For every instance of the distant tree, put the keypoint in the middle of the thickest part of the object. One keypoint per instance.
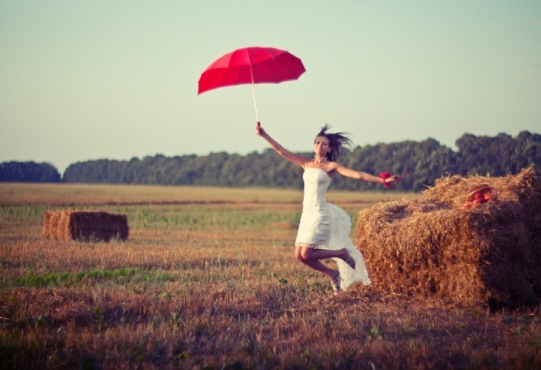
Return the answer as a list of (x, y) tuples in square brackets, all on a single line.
[(527, 150), (28, 172), (499, 155), (420, 163)]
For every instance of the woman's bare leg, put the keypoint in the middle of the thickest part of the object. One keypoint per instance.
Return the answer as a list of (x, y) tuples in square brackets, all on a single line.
[(309, 257), (301, 255), (312, 254)]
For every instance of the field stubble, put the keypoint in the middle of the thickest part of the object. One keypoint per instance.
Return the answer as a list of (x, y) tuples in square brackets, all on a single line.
[(208, 280)]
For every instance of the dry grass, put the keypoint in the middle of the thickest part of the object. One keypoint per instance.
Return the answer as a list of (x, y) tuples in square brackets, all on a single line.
[(85, 194), (215, 285)]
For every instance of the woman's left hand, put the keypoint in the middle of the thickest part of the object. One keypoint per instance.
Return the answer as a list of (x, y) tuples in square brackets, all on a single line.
[(388, 178)]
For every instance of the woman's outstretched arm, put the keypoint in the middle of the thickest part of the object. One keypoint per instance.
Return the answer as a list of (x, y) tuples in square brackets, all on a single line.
[(348, 172), (292, 157)]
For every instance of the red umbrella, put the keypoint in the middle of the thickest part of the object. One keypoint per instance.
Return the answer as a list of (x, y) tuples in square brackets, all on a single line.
[(250, 66)]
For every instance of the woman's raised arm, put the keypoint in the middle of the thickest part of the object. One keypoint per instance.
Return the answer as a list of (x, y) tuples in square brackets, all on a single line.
[(292, 157)]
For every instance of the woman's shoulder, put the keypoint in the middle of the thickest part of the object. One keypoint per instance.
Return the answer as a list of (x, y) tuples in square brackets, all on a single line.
[(334, 165)]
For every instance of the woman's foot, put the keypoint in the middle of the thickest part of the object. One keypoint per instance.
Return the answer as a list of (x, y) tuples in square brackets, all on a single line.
[(348, 259)]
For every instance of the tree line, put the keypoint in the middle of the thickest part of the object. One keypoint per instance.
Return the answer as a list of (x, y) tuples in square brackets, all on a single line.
[(28, 172), (420, 163)]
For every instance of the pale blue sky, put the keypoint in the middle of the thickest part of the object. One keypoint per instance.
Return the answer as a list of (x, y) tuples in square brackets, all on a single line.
[(82, 80)]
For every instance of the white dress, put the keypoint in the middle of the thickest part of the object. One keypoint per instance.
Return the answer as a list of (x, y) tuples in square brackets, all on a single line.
[(326, 226)]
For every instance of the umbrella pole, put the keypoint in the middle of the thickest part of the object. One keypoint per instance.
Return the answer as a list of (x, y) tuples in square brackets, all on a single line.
[(253, 94), (255, 103)]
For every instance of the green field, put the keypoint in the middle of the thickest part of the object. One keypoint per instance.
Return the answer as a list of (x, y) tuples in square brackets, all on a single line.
[(208, 279)]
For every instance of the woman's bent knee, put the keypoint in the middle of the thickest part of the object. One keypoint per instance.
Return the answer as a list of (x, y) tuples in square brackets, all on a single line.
[(305, 253), (300, 254)]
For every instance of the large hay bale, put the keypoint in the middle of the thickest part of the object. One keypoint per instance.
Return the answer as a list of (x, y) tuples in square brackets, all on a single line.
[(433, 247), (84, 226)]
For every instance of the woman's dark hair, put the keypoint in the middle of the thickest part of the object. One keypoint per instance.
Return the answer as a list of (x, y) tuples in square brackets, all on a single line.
[(337, 141)]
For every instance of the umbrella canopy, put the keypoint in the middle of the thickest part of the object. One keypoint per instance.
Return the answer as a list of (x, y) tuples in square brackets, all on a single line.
[(251, 65)]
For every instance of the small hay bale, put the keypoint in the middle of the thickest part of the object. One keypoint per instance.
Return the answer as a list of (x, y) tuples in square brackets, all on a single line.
[(433, 247), (84, 226)]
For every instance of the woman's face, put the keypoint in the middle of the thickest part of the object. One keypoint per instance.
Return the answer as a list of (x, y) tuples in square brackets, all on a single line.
[(321, 146)]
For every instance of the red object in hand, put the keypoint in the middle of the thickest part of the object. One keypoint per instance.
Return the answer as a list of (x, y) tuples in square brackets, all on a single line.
[(385, 175)]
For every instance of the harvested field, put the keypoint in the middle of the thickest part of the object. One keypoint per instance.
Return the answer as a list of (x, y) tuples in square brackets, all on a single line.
[(211, 282), (434, 246)]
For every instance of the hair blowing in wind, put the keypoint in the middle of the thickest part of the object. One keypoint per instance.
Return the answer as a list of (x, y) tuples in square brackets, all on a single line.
[(337, 141)]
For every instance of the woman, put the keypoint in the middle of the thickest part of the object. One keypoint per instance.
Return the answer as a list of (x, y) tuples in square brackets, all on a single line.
[(324, 228)]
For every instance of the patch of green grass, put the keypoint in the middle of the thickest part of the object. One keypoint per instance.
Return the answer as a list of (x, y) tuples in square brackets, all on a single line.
[(33, 280), (13, 217), (100, 274), (121, 276), (209, 218)]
